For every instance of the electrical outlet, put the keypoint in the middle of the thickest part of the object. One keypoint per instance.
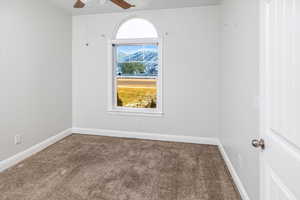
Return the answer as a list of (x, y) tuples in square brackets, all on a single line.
[(18, 139)]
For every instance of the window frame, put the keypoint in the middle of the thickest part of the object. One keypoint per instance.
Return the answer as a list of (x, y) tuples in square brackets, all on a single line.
[(112, 89)]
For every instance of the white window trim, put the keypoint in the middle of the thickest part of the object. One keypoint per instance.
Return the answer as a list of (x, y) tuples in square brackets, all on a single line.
[(111, 62)]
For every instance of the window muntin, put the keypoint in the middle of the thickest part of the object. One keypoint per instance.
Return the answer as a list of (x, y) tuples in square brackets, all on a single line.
[(136, 75)]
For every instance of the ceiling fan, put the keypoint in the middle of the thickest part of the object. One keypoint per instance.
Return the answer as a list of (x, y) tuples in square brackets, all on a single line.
[(122, 3)]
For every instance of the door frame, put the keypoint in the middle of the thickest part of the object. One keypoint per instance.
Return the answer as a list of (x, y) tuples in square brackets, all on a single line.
[(262, 89)]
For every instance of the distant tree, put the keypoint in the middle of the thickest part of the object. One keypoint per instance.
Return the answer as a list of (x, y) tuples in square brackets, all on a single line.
[(153, 103), (119, 101), (132, 68)]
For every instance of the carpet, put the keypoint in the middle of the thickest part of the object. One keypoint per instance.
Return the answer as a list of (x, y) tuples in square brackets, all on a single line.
[(84, 167)]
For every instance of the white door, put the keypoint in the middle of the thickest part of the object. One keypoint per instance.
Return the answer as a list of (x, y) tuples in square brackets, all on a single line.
[(280, 161)]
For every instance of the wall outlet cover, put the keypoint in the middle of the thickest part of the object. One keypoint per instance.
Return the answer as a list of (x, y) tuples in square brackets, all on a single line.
[(18, 139)]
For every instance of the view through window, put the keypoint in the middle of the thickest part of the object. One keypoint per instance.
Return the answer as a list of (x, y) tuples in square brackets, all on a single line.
[(136, 75)]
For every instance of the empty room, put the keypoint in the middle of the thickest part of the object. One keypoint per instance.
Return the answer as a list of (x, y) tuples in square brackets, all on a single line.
[(149, 100)]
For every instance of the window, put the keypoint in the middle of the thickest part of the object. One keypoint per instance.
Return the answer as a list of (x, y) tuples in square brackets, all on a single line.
[(136, 68), (136, 28)]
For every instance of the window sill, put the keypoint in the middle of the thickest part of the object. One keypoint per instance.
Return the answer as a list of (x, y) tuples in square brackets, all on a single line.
[(136, 113)]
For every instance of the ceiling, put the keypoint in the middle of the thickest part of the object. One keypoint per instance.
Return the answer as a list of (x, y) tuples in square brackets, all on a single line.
[(94, 6)]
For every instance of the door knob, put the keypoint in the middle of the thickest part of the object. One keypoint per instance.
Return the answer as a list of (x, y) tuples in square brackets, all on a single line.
[(258, 143)]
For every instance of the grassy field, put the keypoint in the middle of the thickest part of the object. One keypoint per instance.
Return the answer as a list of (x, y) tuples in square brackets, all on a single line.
[(137, 93)]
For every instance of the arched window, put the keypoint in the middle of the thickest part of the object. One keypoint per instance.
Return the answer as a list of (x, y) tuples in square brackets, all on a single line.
[(136, 28), (136, 68)]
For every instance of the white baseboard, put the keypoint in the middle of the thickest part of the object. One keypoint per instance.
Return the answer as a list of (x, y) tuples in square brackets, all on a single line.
[(148, 136), (234, 174), (170, 138), (5, 164)]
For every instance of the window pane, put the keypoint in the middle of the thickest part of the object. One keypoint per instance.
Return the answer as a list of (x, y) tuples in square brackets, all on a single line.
[(130, 53), (137, 60), (137, 28), (136, 92)]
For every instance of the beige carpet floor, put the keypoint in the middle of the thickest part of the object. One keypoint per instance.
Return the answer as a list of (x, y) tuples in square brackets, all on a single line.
[(82, 167)]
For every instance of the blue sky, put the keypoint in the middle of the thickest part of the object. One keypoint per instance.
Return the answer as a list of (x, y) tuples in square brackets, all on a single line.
[(134, 48)]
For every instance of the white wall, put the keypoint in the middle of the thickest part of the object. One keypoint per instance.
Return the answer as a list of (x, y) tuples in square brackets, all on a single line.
[(239, 114), (35, 76), (190, 65), (35, 73)]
